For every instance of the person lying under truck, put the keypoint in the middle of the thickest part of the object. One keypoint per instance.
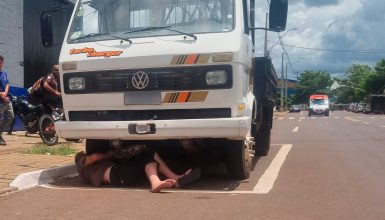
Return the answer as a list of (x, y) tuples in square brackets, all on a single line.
[(128, 166)]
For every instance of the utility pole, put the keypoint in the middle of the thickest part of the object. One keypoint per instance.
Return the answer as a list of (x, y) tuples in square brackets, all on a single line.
[(266, 52), (286, 86), (282, 85)]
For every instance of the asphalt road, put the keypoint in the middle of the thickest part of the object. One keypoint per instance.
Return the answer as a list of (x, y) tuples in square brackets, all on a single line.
[(318, 168)]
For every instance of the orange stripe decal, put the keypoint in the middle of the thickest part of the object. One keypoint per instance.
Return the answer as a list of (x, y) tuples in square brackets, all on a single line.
[(182, 97), (191, 59)]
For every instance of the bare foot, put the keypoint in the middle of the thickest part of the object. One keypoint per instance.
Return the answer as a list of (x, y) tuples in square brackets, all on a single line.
[(165, 184)]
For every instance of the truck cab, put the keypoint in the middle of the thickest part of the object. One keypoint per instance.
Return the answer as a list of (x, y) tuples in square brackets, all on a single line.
[(319, 105), (153, 70)]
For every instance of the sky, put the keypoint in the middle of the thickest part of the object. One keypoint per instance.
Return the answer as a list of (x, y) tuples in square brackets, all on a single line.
[(327, 35)]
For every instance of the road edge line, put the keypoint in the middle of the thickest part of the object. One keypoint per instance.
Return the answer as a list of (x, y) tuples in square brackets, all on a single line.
[(267, 180)]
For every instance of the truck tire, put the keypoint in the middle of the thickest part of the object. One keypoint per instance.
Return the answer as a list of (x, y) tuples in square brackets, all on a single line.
[(97, 146), (262, 141), (238, 160)]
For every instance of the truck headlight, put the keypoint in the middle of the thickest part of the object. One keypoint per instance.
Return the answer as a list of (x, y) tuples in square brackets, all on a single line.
[(77, 83), (216, 77)]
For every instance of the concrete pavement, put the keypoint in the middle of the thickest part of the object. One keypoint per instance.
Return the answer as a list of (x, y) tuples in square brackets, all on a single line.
[(13, 162)]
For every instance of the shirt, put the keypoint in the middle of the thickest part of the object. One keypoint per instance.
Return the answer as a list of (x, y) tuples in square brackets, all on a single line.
[(3, 80), (52, 81), (93, 173)]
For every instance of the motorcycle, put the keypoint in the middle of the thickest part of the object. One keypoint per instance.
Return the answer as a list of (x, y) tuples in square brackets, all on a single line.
[(37, 118), (47, 130), (46, 127), (27, 112)]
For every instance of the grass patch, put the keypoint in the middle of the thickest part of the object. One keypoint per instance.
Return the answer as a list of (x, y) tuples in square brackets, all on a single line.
[(59, 149)]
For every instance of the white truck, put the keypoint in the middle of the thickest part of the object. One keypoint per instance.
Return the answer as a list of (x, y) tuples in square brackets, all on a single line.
[(155, 70)]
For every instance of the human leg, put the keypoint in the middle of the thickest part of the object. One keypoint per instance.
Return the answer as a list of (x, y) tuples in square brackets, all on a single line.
[(188, 177), (164, 169), (2, 124), (156, 184), (8, 115)]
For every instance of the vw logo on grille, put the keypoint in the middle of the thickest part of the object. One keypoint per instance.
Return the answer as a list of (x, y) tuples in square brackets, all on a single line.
[(140, 80)]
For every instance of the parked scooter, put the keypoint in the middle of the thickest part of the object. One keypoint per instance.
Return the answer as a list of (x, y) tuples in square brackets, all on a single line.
[(28, 113)]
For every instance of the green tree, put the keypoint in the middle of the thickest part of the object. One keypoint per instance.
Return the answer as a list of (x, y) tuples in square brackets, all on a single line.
[(375, 81), (311, 82)]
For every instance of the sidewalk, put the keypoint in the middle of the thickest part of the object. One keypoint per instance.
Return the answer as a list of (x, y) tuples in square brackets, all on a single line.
[(13, 162)]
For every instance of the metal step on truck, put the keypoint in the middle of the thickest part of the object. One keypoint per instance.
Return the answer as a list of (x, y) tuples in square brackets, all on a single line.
[(158, 70)]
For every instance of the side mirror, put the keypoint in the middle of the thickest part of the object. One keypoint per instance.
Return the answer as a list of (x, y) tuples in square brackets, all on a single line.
[(46, 29), (278, 15)]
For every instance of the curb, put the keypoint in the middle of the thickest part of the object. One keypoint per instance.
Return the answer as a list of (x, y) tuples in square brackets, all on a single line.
[(31, 179), (6, 190)]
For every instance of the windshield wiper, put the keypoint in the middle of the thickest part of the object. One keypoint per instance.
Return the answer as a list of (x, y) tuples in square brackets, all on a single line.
[(161, 28), (103, 34)]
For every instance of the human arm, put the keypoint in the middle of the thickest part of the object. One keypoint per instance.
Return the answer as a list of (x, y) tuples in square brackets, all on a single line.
[(93, 158), (5, 93), (49, 89), (85, 160)]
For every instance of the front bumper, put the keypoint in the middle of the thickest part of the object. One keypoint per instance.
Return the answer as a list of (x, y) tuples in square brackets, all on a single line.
[(230, 128), (319, 111)]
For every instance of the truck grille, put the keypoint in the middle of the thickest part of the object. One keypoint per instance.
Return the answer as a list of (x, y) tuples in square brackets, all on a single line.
[(141, 115), (175, 78)]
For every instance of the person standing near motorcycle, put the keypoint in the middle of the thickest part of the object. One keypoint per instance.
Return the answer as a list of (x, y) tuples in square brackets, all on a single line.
[(46, 89), (51, 87), (6, 110)]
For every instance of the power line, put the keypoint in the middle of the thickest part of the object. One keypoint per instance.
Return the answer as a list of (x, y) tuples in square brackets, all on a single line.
[(336, 51)]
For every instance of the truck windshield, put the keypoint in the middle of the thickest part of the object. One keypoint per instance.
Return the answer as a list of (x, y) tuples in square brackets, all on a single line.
[(319, 102), (140, 18)]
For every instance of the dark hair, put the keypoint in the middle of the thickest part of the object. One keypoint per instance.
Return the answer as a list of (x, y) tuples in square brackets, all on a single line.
[(1, 58)]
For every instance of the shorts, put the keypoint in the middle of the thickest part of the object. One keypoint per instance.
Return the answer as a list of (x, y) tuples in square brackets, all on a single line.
[(131, 172)]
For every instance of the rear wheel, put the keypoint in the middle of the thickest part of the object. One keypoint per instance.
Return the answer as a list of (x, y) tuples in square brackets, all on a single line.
[(47, 130), (238, 159)]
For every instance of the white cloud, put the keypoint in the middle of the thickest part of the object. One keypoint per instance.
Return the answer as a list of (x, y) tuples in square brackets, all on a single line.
[(333, 25)]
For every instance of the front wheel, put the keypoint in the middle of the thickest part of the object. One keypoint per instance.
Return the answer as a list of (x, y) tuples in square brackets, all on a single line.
[(239, 159), (262, 141), (47, 130)]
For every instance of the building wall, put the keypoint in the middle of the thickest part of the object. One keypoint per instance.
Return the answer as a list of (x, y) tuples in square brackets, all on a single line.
[(11, 40)]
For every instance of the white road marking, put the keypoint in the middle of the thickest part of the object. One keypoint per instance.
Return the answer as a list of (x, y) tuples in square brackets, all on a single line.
[(313, 117), (372, 117), (336, 117), (300, 119), (267, 180), (301, 113), (264, 185), (295, 129), (280, 118), (382, 126), (351, 119), (291, 118), (367, 123)]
